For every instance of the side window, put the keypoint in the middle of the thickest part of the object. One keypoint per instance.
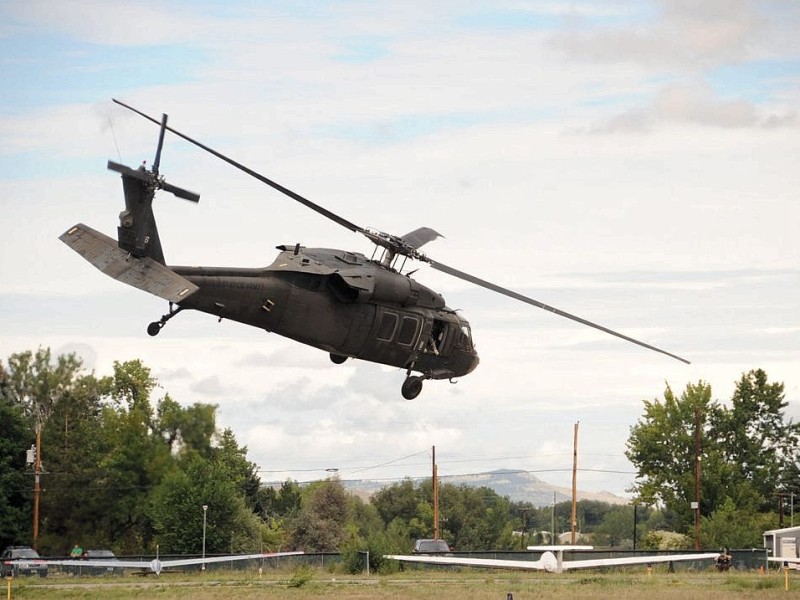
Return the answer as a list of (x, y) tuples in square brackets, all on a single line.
[(408, 331), (388, 325)]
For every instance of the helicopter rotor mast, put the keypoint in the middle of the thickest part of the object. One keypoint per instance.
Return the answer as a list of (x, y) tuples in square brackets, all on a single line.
[(407, 245)]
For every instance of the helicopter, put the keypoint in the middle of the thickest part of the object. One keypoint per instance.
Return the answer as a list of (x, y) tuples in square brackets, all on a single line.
[(339, 301)]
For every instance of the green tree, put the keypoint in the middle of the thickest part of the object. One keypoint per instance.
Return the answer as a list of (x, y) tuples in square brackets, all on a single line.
[(730, 526), (662, 448), (16, 435), (241, 471), (177, 510), (749, 451), (320, 524), (35, 381), (755, 436), (399, 500), (616, 530), (187, 429), (72, 508)]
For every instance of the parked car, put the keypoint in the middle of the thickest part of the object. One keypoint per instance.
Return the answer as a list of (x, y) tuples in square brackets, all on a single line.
[(22, 560), (103, 555), (431, 547), (78, 567)]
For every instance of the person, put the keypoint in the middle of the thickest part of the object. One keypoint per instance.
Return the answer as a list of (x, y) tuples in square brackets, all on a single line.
[(76, 552)]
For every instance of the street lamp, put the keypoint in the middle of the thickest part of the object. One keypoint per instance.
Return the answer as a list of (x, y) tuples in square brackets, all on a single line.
[(205, 512)]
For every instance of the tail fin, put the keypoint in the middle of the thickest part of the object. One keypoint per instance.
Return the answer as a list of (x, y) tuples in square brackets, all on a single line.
[(137, 232)]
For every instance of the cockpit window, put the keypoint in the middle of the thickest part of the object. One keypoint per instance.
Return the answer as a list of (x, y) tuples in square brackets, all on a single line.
[(465, 340)]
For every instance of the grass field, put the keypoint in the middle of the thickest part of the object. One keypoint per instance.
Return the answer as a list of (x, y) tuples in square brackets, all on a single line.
[(427, 584)]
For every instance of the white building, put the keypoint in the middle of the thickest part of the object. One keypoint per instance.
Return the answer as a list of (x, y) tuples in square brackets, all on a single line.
[(783, 543)]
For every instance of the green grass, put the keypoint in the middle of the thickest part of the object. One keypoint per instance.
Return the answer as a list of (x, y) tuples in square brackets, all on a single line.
[(421, 584)]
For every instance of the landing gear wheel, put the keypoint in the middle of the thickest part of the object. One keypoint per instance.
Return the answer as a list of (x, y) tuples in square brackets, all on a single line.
[(154, 328), (412, 386), (337, 359)]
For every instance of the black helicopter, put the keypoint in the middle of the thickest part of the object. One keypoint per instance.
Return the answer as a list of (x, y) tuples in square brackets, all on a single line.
[(338, 301)]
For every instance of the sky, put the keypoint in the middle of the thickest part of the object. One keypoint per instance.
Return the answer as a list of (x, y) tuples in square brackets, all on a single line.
[(631, 162)]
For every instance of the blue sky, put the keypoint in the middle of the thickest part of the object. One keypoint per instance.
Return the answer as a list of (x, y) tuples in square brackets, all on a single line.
[(630, 162)]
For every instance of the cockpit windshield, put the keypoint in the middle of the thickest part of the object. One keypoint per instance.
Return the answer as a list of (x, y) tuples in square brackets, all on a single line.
[(465, 339)]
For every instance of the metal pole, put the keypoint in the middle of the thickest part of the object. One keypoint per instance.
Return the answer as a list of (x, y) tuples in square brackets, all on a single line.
[(634, 526), (205, 511)]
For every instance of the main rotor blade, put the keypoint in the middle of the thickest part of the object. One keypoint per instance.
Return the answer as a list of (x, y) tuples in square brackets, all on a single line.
[(304, 201), (501, 290)]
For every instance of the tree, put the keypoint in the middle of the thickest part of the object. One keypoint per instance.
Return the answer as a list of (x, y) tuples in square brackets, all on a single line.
[(755, 435), (750, 450), (730, 526), (662, 448), (242, 472), (177, 510), (73, 508), (320, 524), (616, 530), (36, 381), (15, 485)]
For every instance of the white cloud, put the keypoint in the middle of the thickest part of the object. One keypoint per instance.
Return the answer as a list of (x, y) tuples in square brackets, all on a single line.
[(685, 237)]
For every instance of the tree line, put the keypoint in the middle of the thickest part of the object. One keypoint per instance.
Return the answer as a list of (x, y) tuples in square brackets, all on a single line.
[(129, 468)]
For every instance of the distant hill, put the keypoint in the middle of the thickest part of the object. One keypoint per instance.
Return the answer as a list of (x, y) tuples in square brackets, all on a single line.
[(519, 486)]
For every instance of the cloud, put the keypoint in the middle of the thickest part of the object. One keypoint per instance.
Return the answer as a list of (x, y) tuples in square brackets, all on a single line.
[(212, 387), (689, 34), (693, 105)]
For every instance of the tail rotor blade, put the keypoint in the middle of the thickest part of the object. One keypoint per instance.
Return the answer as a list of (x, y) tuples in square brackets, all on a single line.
[(180, 192)]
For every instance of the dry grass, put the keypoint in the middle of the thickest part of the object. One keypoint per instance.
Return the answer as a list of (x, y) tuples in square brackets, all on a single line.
[(441, 585)]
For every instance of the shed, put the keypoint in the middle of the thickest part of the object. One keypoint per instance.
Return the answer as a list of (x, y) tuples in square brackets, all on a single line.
[(782, 543)]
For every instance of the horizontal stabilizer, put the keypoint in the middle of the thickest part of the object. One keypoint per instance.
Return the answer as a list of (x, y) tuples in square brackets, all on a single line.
[(143, 273)]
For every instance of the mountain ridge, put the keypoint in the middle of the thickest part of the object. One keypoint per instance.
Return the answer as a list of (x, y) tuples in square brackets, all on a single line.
[(517, 484)]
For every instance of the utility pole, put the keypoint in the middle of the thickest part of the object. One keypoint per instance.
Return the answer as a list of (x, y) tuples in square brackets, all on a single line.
[(524, 512), (435, 486), (574, 481), (697, 450), (37, 471)]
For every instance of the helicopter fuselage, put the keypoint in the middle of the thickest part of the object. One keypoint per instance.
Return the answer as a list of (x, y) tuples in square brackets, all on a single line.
[(342, 303)]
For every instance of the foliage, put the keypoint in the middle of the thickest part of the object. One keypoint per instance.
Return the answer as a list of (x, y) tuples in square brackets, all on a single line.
[(15, 482), (664, 540), (732, 527), (320, 524), (128, 469), (749, 451), (301, 576)]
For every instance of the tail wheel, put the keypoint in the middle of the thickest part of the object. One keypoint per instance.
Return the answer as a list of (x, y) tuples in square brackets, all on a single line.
[(337, 359), (412, 386)]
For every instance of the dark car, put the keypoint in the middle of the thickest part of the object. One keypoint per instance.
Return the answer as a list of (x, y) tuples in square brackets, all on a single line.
[(79, 567), (431, 547), (22, 560)]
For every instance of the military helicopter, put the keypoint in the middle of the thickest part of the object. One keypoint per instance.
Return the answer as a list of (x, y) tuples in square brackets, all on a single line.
[(338, 301)]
